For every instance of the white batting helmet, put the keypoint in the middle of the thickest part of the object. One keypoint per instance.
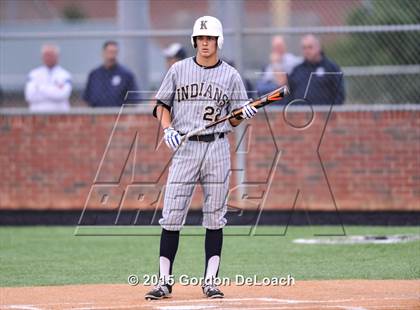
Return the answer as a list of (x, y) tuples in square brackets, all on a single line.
[(208, 26)]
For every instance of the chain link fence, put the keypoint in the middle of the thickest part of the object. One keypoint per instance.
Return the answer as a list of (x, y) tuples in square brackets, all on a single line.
[(375, 43)]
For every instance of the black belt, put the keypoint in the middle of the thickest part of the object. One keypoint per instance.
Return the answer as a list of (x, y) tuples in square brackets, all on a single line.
[(207, 138)]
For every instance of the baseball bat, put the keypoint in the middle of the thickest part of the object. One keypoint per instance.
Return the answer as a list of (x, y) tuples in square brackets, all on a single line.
[(260, 102)]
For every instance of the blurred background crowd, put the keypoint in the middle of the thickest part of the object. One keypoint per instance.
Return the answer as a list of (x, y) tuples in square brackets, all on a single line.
[(58, 54)]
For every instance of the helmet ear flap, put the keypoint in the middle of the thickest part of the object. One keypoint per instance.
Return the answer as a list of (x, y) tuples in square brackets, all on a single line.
[(220, 42), (193, 42)]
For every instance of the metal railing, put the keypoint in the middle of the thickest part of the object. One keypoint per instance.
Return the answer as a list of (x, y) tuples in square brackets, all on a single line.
[(365, 83)]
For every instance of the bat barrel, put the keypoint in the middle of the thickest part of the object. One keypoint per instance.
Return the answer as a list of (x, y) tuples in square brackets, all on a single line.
[(275, 95)]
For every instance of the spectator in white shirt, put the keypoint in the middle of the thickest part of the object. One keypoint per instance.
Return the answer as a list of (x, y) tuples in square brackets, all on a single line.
[(49, 86), (281, 64)]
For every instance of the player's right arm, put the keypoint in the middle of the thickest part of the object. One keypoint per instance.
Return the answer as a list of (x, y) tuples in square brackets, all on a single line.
[(164, 116), (164, 98), (162, 111), (171, 136)]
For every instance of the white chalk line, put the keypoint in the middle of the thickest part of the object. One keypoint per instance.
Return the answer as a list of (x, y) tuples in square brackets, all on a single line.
[(198, 307), (286, 301), (289, 307), (50, 304), (277, 307), (163, 305), (22, 307), (41, 306), (296, 303), (103, 307), (266, 299), (370, 307), (254, 307)]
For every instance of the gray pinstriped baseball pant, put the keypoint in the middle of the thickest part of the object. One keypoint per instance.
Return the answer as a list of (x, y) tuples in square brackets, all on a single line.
[(205, 163)]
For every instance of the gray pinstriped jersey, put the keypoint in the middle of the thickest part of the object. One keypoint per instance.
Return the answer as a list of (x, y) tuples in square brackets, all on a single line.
[(198, 95)]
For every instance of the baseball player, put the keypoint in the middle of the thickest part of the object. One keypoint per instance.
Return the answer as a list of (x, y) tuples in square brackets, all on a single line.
[(196, 91)]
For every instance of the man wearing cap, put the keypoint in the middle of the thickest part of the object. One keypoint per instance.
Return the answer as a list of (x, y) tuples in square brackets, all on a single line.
[(173, 53)]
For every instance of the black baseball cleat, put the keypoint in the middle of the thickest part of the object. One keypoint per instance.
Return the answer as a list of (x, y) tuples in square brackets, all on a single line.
[(212, 291), (159, 292)]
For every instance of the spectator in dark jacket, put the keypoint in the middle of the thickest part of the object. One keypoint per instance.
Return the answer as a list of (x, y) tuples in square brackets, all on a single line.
[(1, 96), (107, 85), (326, 86)]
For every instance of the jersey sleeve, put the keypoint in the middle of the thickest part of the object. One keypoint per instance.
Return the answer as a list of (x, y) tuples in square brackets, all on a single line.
[(166, 91), (239, 96)]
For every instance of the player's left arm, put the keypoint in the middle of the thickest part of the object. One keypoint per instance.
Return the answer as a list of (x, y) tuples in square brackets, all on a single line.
[(248, 111), (240, 101)]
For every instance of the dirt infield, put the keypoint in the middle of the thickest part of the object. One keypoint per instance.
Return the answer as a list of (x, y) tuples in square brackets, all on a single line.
[(334, 294)]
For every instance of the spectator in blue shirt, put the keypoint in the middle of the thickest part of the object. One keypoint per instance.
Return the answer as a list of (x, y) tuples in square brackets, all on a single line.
[(107, 85), (324, 88)]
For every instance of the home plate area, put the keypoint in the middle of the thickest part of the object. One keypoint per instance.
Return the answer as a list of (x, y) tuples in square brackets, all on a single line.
[(331, 294)]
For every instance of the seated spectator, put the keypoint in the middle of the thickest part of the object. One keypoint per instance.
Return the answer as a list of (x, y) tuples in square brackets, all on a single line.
[(324, 88), (281, 64), (49, 86), (107, 85), (173, 53)]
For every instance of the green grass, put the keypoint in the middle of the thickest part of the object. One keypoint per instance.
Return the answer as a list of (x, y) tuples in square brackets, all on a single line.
[(54, 256)]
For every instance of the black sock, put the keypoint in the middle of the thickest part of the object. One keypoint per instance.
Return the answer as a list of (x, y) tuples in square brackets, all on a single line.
[(213, 246), (169, 241)]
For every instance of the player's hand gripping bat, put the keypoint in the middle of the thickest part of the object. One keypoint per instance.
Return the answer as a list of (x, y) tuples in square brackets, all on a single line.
[(275, 95)]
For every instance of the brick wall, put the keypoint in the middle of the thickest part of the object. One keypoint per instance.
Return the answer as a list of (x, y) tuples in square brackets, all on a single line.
[(367, 160)]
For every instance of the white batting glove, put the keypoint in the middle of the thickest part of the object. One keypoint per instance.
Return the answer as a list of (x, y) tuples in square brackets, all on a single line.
[(172, 138), (248, 111)]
